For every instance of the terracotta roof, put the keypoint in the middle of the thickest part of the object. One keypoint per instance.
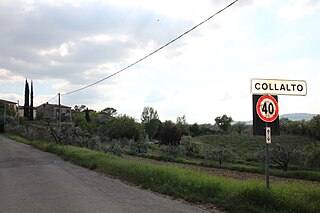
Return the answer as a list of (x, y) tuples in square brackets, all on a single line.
[(55, 105)]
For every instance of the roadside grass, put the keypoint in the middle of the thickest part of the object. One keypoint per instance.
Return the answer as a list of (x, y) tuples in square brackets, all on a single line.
[(258, 169), (226, 193)]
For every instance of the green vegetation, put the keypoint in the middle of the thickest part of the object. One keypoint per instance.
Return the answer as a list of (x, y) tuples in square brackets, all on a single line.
[(253, 168), (302, 151), (295, 155), (123, 127), (7, 115), (223, 122), (225, 193)]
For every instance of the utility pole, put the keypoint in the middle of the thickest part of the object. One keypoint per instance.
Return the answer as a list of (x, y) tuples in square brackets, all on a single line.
[(4, 115), (59, 121), (18, 114)]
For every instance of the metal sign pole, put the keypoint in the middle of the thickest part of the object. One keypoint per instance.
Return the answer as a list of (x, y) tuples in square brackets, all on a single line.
[(267, 167), (267, 154)]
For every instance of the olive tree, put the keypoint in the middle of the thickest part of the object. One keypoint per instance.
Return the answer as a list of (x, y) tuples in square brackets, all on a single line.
[(223, 122)]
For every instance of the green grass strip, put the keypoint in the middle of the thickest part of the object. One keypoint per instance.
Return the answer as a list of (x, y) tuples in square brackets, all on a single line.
[(225, 193), (303, 175)]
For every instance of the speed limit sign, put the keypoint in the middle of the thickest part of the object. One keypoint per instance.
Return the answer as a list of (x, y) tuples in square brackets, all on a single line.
[(267, 108)]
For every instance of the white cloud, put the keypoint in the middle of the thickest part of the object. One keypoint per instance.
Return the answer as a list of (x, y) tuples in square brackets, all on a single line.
[(298, 69), (106, 38), (7, 76), (62, 50), (298, 9), (73, 3), (178, 9)]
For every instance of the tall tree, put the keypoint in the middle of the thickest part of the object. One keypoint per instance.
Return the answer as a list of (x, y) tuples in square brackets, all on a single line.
[(109, 112), (182, 125), (31, 103), (314, 127), (148, 114), (80, 108), (223, 122), (151, 122), (170, 135), (26, 100), (123, 127), (153, 128), (194, 130), (87, 115)]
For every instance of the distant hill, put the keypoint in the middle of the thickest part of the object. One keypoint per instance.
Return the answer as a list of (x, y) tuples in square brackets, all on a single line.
[(298, 116), (290, 116)]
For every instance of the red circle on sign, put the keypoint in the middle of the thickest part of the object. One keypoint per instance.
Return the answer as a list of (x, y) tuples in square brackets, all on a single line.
[(265, 104)]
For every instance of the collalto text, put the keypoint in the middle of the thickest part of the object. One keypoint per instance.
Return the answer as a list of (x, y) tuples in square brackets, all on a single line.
[(278, 87)]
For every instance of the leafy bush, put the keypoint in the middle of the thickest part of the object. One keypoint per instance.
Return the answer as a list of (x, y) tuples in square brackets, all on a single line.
[(114, 147), (313, 159), (172, 150), (123, 127), (314, 127), (190, 147), (139, 146), (170, 135)]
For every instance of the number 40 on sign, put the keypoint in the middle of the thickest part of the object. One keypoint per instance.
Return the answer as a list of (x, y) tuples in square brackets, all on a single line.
[(267, 108)]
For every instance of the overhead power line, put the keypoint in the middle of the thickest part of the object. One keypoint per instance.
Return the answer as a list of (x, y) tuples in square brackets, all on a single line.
[(52, 98), (153, 52)]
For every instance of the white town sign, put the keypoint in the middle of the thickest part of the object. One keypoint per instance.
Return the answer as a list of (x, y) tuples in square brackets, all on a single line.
[(278, 87)]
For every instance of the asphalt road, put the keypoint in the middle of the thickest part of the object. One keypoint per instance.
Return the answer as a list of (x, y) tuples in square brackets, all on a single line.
[(36, 181)]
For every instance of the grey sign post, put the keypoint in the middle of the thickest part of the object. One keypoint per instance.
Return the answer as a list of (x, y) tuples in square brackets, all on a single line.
[(268, 111)]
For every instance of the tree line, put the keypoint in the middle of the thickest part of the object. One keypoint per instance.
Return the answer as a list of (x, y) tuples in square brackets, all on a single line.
[(112, 132), (123, 126), (309, 128)]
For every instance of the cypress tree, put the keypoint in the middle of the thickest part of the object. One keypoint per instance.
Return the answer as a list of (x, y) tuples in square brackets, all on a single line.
[(87, 115), (26, 100), (31, 103)]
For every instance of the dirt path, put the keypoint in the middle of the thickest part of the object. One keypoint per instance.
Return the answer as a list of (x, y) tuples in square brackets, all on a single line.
[(223, 172)]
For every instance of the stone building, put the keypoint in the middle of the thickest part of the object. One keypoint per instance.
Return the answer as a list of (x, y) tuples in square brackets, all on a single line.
[(50, 112)]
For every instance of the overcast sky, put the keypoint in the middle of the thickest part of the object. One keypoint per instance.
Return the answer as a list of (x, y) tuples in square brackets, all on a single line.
[(65, 45)]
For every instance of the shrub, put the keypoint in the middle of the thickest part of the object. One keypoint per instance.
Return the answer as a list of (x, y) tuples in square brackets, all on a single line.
[(114, 147), (123, 127), (139, 146), (221, 153), (174, 151), (170, 135), (191, 148), (313, 159)]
